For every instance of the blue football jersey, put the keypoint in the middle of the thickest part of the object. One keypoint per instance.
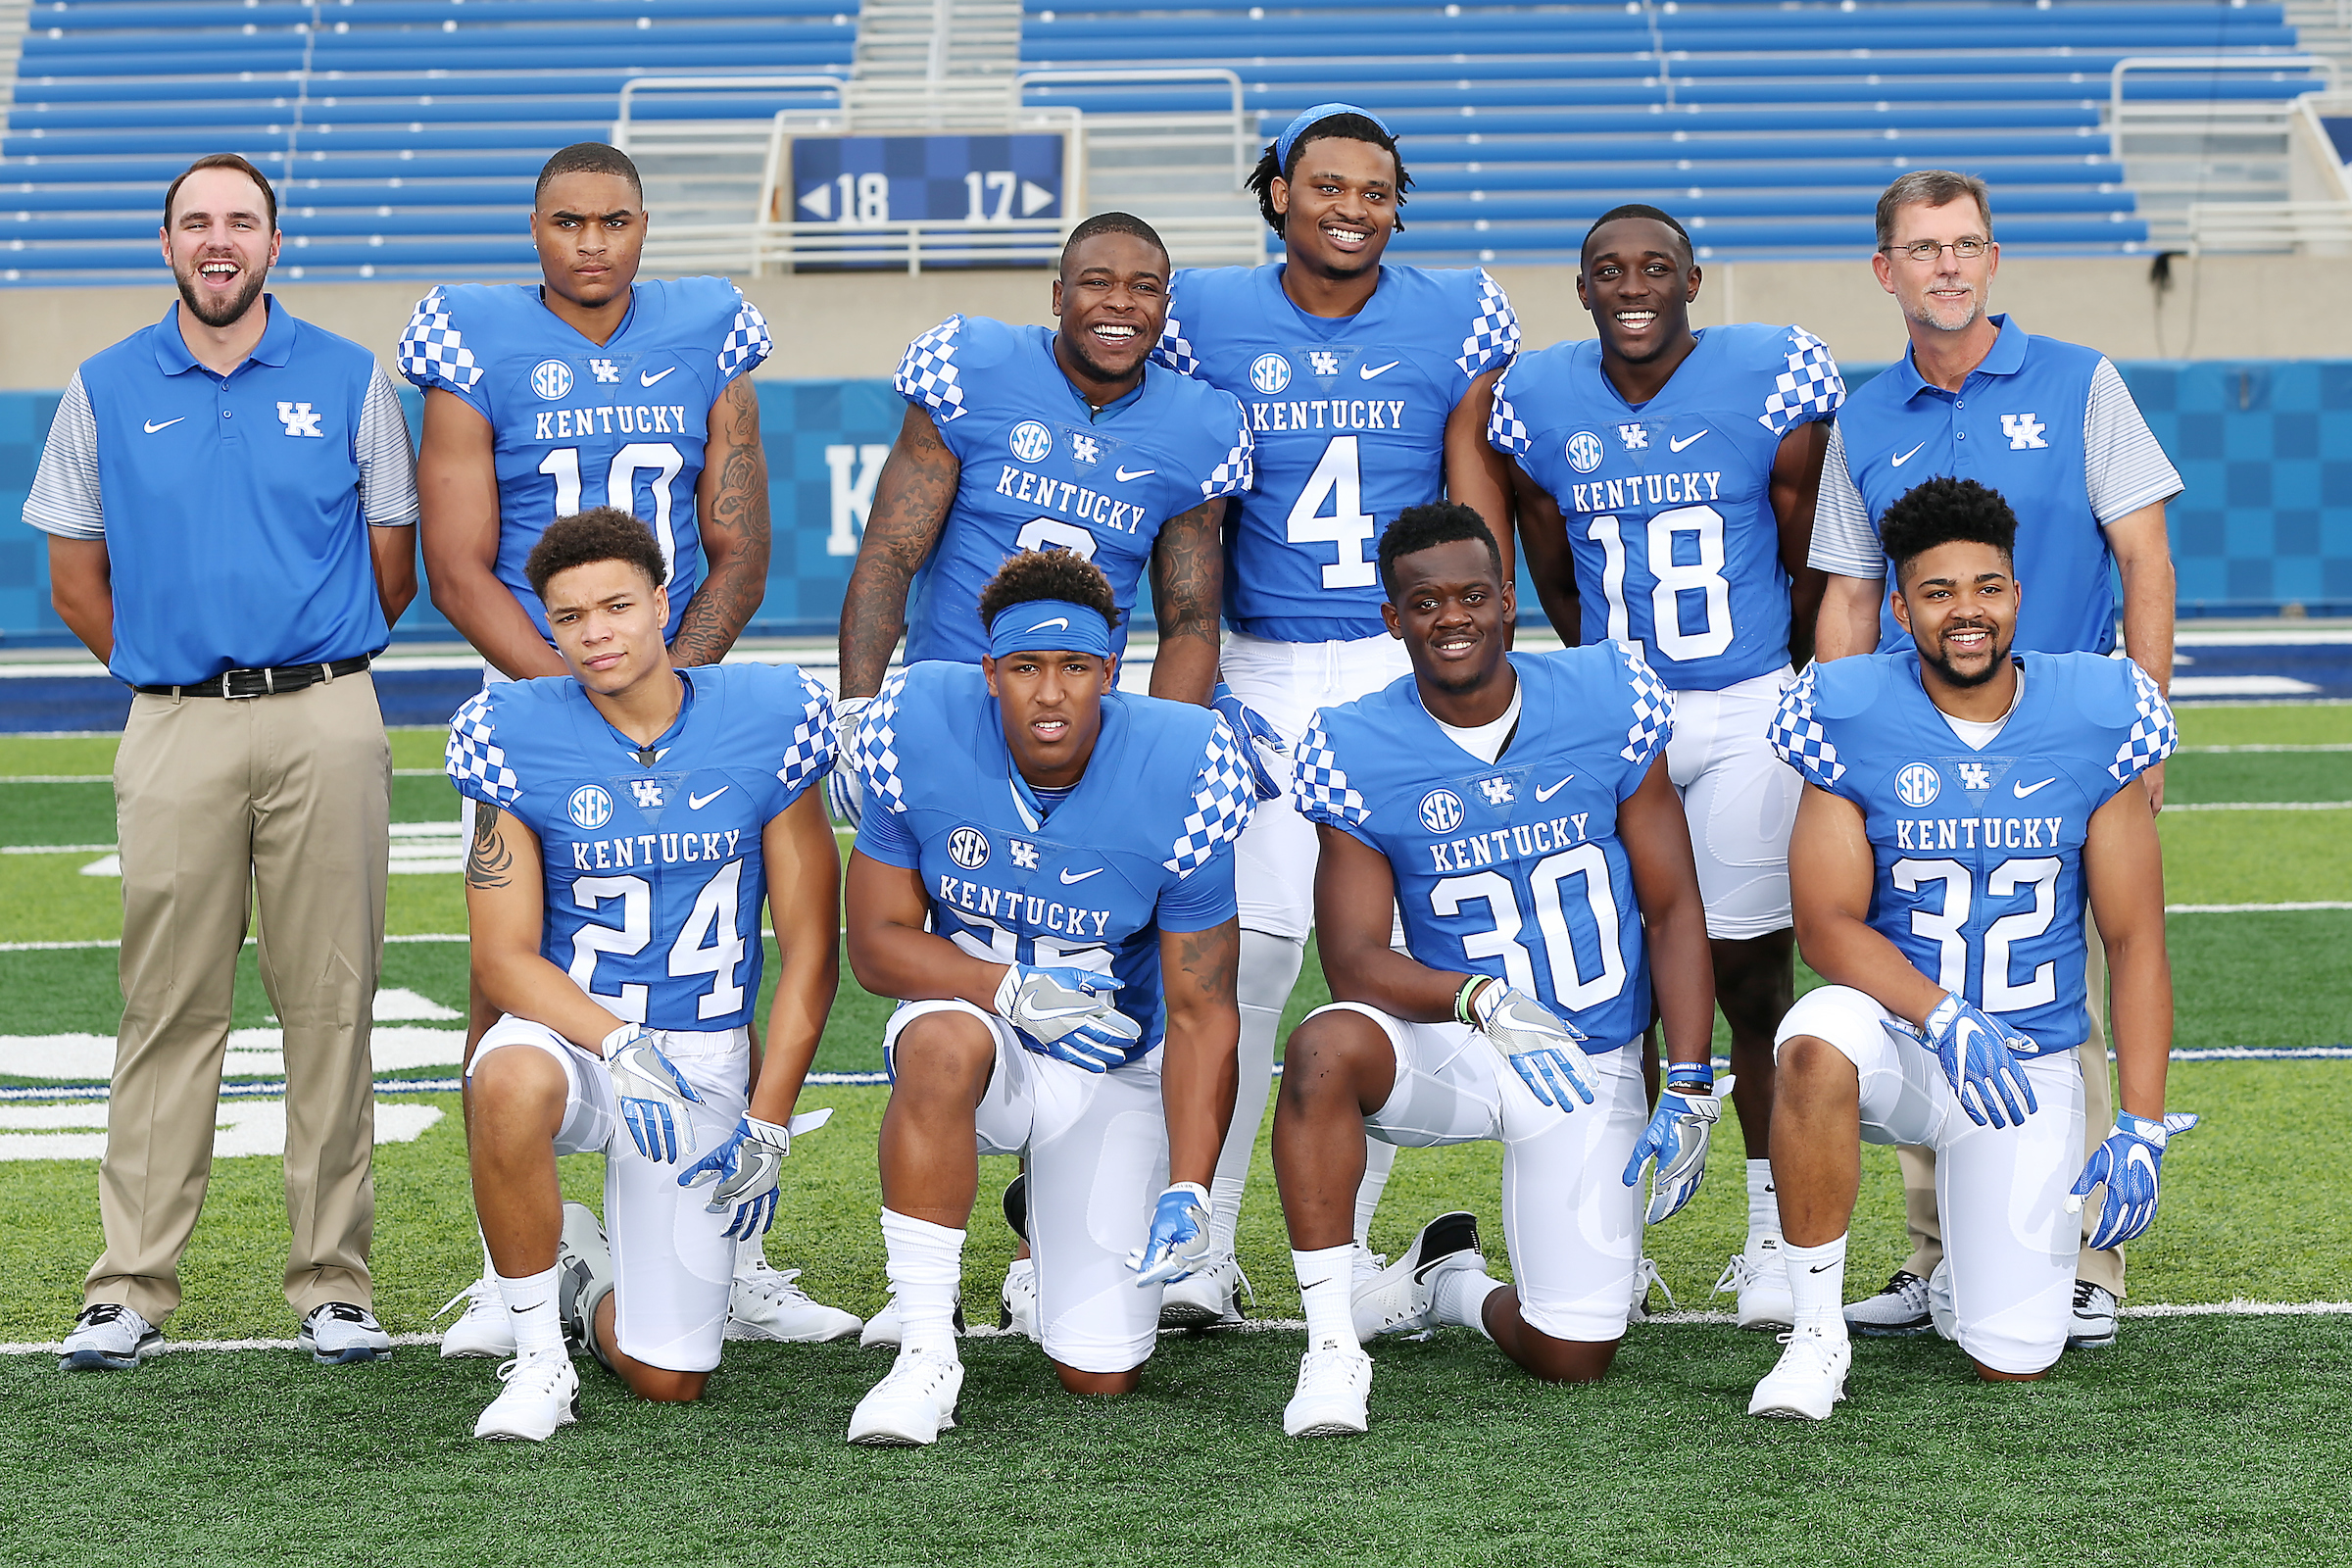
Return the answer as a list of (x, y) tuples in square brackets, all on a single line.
[(576, 425), (1349, 420), (1675, 542), (1980, 853), (1143, 845), (1513, 868), (654, 879), (1040, 474)]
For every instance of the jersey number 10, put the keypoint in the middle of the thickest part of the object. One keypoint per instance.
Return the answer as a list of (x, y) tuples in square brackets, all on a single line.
[(657, 458)]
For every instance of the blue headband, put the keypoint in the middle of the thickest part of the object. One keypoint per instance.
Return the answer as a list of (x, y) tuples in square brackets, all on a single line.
[(1289, 134), (1049, 625)]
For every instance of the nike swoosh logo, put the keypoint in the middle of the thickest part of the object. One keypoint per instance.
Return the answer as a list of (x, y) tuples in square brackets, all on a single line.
[(151, 426), (1543, 794), (643, 379), (1067, 878), (1908, 456), (1677, 446), (1062, 622), (1125, 476), (2024, 790), (1368, 371), (694, 803), (1822, 1268)]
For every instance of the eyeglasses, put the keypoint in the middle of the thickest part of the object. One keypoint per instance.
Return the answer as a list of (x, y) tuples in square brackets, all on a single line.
[(1927, 250)]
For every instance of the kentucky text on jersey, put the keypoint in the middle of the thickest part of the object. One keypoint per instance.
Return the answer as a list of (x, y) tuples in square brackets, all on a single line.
[(1651, 489), (1960, 832), (1010, 903), (653, 849), (1328, 414), (1090, 507), (613, 418), (1512, 843)]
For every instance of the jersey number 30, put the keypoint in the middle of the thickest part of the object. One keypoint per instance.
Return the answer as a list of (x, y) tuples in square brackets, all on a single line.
[(711, 942), (1507, 937)]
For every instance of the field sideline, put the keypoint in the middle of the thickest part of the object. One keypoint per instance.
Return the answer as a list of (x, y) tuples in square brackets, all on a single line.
[(2138, 1455)]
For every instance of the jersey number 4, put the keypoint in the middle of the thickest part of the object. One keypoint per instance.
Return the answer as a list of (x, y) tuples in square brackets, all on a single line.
[(711, 942), (1338, 483)]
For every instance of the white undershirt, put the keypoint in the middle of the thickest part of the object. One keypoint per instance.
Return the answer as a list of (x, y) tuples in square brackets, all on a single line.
[(1978, 734), (1485, 742)]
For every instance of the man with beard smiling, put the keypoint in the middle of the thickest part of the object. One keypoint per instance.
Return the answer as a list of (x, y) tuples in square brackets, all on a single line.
[(231, 507), (1961, 804), (2053, 429)]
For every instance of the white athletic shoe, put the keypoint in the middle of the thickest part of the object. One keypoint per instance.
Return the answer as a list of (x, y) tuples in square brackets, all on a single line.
[(584, 1271), (485, 1328), (1208, 1297), (2095, 1307), (1367, 1263), (1895, 1312), (1334, 1387), (542, 1393), (1017, 1302), (1761, 1276), (766, 1304), (882, 1329), (341, 1333), (1807, 1381), (109, 1336), (1645, 1275), (1397, 1300), (912, 1405)]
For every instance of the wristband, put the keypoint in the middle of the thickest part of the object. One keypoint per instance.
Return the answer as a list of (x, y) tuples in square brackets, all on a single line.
[(1461, 1000), (1690, 1075)]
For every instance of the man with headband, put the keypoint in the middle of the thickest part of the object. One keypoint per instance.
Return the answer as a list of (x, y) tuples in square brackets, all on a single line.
[(1367, 389), (1044, 873)]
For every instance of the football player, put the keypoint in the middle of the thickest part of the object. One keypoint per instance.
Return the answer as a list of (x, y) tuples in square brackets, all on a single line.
[(1367, 390), (1517, 812), (1961, 801), (1045, 875), (1665, 482), (628, 820), (591, 388)]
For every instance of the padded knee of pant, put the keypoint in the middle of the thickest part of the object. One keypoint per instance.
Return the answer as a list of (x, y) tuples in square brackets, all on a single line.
[(1850, 1022)]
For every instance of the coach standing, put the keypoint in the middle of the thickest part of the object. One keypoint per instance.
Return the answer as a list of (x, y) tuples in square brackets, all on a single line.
[(231, 504), (2052, 427)]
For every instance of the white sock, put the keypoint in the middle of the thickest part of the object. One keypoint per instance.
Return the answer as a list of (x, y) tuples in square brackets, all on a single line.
[(489, 1269), (750, 1254), (1379, 1160), (532, 1308), (925, 1265), (1817, 1287), (1326, 1289), (1460, 1298), (1763, 1202), (1268, 969)]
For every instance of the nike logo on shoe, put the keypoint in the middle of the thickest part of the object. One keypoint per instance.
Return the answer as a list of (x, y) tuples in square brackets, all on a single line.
[(694, 803), (1908, 456), (1067, 878), (1368, 371), (1140, 474), (151, 426), (1543, 794), (1677, 446), (643, 379), (2020, 790)]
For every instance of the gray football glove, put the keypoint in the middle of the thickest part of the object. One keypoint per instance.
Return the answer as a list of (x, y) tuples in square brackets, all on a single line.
[(844, 786)]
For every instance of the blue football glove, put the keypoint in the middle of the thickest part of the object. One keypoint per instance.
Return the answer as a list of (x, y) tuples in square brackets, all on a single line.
[(844, 786), (1545, 1052), (1676, 1139), (652, 1092), (1067, 1014), (2129, 1163), (1258, 738), (1179, 1240), (745, 1168), (1981, 1060)]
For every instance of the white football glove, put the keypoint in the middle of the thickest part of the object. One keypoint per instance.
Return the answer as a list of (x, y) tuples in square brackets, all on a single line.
[(1179, 1239), (745, 1168), (1546, 1051), (652, 1092), (844, 786), (1262, 746), (2130, 1161), (1067, 1014), (1676, 1137)]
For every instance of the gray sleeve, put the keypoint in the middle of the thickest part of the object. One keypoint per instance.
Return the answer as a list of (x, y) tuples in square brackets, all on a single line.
[(64, 498), (2124, 468), (1844, 544), (387, 465)]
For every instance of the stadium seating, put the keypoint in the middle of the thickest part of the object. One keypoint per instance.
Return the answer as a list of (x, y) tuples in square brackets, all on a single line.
[(404, 132)]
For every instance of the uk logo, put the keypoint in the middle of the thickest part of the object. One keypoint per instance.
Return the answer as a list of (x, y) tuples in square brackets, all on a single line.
[(647, 791), (2023, 431), (1441, 810), (551, 378), (1031, 441), (1085, 449), (1635, 436), (1976, 777), (967, 846), (1322, 362), (1917, 784), (1584, 452), (591, 808), (1497, 791), (298, 419), (604, 370), (1269, 373), (1024, 854)]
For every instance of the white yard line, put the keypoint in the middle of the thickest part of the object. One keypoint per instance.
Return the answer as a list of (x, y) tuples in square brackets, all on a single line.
[(2259, 805)]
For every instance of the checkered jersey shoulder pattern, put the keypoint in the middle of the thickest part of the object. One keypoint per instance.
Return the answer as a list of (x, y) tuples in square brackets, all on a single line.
[(1506, 433), (747, 344), (928, 374), (1808, 388), (809, 756), (1173, 349), (874, 746), (433, 351), (1797, 734), (474, 759), (1493, 335), (1238, 471), (2153, 735), (1319, 786), (1221, 804), (1652, 725)]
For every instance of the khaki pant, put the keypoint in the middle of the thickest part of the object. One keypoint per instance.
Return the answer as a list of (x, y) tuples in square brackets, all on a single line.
[(283, 802), (2098, 1115)]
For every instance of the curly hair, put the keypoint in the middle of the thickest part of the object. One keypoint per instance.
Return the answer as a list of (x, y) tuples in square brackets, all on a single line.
[(600, 533), (1347, 128), (1944, 510), (1036, 574)]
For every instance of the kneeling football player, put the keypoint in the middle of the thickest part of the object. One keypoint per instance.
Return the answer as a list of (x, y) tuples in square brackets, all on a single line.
[(1960, 803), (1044, 873), (1515, 810), (629, 821)]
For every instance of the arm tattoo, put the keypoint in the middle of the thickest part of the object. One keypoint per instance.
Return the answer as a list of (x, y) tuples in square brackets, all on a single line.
[(738, 514), (912, 501), (1209, 957), (1188, 572), (490, 863)]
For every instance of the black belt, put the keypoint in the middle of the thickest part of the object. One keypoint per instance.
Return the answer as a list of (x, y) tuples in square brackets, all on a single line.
[(263, 682)]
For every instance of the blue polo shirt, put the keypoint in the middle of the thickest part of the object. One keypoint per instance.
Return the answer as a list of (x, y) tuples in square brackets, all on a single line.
[(2048, 425), (235, 508)]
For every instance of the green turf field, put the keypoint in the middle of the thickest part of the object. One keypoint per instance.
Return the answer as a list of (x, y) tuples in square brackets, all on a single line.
[(2206, 1439)]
